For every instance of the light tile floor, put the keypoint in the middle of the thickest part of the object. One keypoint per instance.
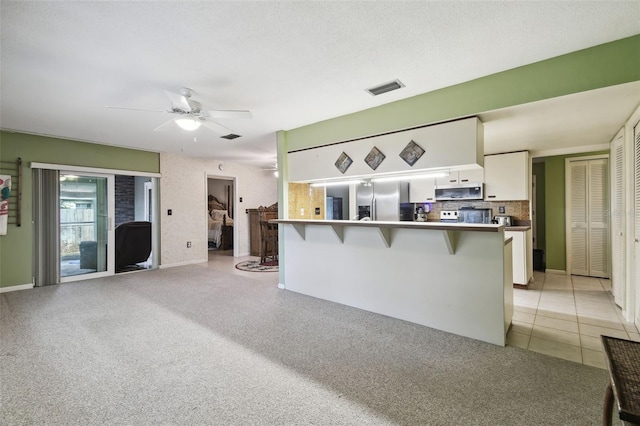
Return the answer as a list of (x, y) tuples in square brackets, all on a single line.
[(563, 316)]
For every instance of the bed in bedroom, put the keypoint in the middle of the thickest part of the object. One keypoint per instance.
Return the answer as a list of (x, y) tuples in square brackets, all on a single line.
[(220, 225)]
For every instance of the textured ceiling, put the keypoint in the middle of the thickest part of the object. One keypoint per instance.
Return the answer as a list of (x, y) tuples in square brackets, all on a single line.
[(289, 63)]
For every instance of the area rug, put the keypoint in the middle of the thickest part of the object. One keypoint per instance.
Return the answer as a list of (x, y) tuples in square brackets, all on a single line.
[(256, 266)]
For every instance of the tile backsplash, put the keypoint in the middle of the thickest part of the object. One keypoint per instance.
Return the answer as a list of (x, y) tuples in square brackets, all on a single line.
[(518, 209)]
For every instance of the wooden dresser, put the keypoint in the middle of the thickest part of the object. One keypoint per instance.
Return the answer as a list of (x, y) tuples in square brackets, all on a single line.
[(255, 216)]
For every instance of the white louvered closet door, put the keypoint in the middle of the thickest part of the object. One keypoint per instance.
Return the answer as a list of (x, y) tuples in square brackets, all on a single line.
[(590, 218), (579, 228), (618, 221), (636, 220), (599, 218)]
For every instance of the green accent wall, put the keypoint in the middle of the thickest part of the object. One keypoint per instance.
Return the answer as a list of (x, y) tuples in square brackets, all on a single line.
[(554, 199), (16, 248), (575, 72)]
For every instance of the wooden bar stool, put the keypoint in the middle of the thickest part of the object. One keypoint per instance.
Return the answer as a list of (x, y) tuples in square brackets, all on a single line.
[(269, 243)]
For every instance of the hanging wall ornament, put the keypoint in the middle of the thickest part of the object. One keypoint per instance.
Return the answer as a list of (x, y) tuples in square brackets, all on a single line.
[(343, 162), (374, 158), (411, 153)]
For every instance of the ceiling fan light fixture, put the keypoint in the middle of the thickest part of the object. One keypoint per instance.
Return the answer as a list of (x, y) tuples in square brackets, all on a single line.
[(188, 124)]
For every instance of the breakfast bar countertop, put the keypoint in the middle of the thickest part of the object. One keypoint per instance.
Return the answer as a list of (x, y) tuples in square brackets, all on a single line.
[(517, 228), (440, 226)]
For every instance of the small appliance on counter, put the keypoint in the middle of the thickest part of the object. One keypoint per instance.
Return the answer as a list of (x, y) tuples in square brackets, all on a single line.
[(474, 215), (503, 220), (420, 214), (406, 212)]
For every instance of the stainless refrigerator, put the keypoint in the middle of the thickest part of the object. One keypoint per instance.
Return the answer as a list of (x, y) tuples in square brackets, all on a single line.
[(383, 201)]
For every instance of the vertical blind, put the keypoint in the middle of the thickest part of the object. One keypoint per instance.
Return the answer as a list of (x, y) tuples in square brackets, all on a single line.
[(46, 214)]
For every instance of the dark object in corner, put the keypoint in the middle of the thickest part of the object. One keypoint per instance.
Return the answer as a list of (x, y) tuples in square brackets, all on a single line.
[(133, 244), (538, 260)]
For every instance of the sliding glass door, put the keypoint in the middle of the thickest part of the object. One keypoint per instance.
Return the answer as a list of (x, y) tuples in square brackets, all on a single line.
[(86, 209), (90, 223)]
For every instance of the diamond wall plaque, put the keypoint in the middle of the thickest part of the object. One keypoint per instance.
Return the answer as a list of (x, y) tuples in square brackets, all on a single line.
[(374, 158), (343, 162), (411, 153)]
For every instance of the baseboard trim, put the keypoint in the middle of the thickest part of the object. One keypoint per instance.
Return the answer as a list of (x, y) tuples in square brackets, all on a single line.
[(555, 271), (16, 288), (188, 262)]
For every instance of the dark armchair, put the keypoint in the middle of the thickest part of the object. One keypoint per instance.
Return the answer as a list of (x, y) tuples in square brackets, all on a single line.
[(133, 244)]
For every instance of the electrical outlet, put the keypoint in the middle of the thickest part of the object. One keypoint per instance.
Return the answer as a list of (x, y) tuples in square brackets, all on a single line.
[(501, 209), (188, 244)]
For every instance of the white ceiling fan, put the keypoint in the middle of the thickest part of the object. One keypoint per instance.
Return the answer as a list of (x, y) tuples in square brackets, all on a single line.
[(190, 115)]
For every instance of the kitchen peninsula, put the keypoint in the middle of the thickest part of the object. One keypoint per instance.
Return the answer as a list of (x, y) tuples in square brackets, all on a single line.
[(453, 277)]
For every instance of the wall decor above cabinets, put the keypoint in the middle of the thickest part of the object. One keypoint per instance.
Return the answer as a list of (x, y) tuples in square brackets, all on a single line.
[(343, 162), (411, 153), (453, 145), (374, 158)]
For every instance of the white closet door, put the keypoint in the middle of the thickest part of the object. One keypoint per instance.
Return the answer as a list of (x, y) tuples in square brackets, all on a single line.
[(598, 218), (617, 220), (636, 203), (578, 217), (589, 218)]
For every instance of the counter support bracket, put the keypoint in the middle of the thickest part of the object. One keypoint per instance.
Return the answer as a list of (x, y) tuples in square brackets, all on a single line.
[(385, 234), (300, 229), (339, 231), (450, 239)]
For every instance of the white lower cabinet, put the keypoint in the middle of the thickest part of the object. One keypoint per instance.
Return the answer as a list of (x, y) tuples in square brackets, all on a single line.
[(522, 256)]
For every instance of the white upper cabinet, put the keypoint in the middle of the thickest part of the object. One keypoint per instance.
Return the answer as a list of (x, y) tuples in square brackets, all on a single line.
[(462, 177), (453, 145), (506, 177), (422, 190)]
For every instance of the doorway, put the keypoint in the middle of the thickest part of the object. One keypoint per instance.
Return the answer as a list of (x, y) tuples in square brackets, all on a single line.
[(220, 215)]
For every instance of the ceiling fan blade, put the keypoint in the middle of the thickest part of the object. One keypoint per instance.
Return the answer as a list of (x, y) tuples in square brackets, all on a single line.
[(137, 109), (164, 124), (219, 129), (230, 114), (178, 101)]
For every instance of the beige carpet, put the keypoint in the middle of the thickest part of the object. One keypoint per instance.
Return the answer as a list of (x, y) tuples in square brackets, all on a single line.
[(195, 346)]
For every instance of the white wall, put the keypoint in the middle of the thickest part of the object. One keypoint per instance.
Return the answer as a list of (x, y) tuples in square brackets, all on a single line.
[(183, 189)]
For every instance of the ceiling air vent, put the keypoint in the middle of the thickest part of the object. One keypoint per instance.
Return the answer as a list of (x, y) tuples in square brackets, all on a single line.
[(230, 136), (386, 87)]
